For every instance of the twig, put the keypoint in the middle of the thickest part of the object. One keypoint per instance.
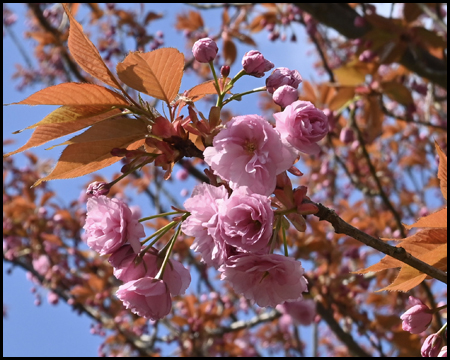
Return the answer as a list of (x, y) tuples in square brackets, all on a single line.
[(65, 295), (216, 6), (399, 253), (35, 8), (433, 15), (321, 53), (341, 17), (373, 172), (242, 324), (346, 338)]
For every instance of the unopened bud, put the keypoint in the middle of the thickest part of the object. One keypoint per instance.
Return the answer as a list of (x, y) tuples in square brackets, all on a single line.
[(97, 188), (118, 152), (205, 50), (225, 71), (255, 64)]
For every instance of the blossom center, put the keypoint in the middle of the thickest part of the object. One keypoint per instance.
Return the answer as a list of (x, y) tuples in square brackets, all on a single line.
[(250, 146)]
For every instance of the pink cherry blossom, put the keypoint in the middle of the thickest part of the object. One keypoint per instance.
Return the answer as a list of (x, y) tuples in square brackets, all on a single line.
[(302, 125), (110, 224), (431, 347), (146, 297), (285, 95), (177, 277), (246, 220), (301, 311), (283, 76), (417, 318), (97, 188), (255, 64), (126, 268), (41, 264), (249, 152), (443, 352), (205, 50), (203, 221), (268, 279)]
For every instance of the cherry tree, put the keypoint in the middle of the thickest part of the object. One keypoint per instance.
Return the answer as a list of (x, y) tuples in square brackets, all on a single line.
[(298, 213)]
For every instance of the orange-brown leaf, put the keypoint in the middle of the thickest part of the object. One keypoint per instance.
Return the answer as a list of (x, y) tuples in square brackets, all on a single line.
[(91, 151), (411, 11), (203, 89), (437, 219), (407, 278), (111, 129), (442, 171), (397, 92), (63, 121), (349, 75), (190, 21), (86, 54), (229, 51), (374, 117), (74, 94), (429, 236), (410, 277), (343, 95), (308, 93), (156, 73)]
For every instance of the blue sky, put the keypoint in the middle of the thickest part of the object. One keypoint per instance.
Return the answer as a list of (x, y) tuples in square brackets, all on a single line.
[(56, 330)]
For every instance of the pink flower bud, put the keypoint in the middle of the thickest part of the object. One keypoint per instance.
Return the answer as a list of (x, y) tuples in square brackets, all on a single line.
[(417, 318), (52, 298), (367, 56), (225, 71), (97, 188), (146, 297), (182, 174), (255, 64), (347, 135), (443, 352), (431, 346), (118, 152), (205, 50), (359, 21), (285, 95), (283, 76)]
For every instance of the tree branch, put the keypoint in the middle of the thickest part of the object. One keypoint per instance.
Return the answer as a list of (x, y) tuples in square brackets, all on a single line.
[(346, 338), (341, 17), (399, 253)]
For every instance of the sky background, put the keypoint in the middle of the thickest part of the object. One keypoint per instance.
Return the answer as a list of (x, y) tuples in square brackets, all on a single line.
[(50, 330)]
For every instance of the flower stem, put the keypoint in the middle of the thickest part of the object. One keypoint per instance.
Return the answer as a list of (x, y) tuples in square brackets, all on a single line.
[(160, 233), (167, 254), (228, 87), (159, 215), (237, 96)]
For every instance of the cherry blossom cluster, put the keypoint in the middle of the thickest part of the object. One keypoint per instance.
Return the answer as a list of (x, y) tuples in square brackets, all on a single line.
[(236, 219), (150, 279), (234, 224)]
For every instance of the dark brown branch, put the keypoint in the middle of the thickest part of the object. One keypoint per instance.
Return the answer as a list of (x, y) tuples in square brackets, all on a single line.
[(346, 338), (399, 253), (341, 17), (407, 118), (35, 8), (244, 324), (321, 54), (373, 172)]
